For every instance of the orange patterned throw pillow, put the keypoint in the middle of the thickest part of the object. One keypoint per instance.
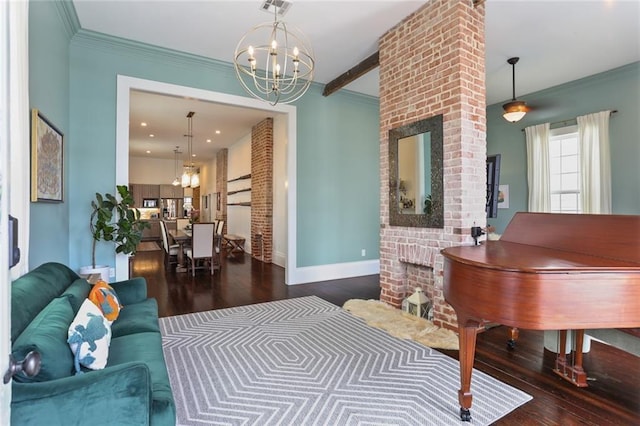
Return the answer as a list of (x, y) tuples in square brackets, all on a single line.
[(105, 298)]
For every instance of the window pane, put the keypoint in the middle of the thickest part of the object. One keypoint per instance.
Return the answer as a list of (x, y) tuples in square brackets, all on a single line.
[(570, 182), (554, 148), (555, 203), (570, 146), (569, 202), (570, 164), (554, 164)]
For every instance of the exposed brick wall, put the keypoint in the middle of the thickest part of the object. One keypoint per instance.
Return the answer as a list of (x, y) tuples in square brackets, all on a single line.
[(433, 63), (262, 190), (221, 185)]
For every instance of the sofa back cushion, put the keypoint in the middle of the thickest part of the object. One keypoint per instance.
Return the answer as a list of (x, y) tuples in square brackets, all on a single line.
[(47, 334), (33, 291), (77, 292)]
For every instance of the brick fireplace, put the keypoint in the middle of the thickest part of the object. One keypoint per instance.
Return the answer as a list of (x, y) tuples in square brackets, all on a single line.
[(433, 63)]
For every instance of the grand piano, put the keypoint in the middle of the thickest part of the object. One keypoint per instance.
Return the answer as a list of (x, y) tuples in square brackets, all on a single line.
[(547, 272)]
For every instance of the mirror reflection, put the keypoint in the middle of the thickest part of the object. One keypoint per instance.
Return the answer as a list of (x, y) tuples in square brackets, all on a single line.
[(415, 174)]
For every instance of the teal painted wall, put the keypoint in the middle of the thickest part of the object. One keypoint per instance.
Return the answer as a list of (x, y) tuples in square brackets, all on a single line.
[(49, 37), (338, 183), (615, 89), (338, 178)]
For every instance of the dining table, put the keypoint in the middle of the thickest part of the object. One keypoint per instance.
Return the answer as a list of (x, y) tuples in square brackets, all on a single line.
[(181, 237)]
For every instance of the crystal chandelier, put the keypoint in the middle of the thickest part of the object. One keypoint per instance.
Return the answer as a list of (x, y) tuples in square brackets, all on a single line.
[(273, 61)]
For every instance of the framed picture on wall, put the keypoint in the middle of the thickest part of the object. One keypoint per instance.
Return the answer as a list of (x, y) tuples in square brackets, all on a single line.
[(47, 162), (503, 197)]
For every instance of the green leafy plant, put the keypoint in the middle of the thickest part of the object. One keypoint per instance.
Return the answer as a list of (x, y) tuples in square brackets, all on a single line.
[(116, 220)]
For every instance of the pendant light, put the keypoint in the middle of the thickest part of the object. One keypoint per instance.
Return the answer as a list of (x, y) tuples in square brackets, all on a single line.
[(176, 181), (186, 175), (514, 110)]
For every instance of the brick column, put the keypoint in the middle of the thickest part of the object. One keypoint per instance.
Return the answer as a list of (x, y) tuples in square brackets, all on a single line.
[(262, 190), (433, 63)]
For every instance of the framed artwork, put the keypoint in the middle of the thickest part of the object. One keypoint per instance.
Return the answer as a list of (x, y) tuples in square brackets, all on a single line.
[(47, 165), (503, 197)]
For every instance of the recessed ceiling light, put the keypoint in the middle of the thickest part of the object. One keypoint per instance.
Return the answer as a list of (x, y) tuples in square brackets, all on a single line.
[(193, 155), (148, 152), (208, 140), (152, 135), (217, 132), (143, 124)]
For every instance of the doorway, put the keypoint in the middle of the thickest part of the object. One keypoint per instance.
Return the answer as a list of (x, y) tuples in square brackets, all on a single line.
[(126, 84)]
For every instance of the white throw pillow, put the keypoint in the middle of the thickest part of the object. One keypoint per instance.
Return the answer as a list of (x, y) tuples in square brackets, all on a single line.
[(89, 337)]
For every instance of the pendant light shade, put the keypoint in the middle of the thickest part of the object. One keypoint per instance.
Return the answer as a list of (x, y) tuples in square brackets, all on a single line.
[(514, 110), (195, 180)]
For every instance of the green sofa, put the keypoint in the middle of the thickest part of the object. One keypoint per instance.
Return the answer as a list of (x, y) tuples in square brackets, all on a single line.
[(134, 387)]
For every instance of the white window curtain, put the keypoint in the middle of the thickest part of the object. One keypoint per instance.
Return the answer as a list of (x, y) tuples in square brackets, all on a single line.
[(538, 167), (19, 142), (595, 162)]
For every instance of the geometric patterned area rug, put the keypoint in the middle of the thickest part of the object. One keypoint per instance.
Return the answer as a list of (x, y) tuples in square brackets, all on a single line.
[(306, 361)]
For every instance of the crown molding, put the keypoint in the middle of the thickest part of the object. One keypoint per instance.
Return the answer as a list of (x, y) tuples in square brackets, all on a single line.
[(69, 17), (109, 43)]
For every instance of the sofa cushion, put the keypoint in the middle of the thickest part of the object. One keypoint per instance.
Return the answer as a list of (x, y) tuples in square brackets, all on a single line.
[(105, 298), (89, 337), (137, 318), (77, 292), (33, 291), (147, 348), (47, 334)]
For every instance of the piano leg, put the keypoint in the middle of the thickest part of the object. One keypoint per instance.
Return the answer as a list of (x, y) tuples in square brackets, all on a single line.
[(468, 333), (511, 343)]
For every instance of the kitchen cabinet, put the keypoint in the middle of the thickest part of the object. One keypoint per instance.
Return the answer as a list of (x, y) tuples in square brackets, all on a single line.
[(140, 191), (136, 192), (170, 191), (153, 232), (150, 191)]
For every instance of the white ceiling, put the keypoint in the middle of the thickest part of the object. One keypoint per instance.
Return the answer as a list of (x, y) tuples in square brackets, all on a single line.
[(557, 42)]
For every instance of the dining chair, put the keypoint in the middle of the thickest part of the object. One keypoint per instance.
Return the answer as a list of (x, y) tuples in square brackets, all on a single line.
[(181, 224), (219, 227), (170, 251), (202, 248)]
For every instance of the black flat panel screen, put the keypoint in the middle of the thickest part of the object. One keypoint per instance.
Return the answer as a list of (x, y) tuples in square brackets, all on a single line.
[(493, 181)]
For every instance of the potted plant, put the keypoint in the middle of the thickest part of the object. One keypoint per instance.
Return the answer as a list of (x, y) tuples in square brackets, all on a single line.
[(114, 219)]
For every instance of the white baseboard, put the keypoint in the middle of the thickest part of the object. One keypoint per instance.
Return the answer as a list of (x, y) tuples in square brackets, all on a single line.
[(336, 271)]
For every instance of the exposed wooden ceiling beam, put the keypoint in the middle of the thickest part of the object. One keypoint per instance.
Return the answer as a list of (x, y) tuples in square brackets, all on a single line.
[(353, 74), (477, 3)]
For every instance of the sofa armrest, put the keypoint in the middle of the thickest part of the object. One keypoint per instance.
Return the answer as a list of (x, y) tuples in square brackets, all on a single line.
[(119, 394), (131, 291)]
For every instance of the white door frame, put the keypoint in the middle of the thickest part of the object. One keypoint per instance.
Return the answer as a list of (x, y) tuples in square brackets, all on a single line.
[(124, 86)]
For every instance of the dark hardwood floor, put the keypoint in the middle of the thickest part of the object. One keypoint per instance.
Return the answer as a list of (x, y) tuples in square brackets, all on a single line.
[(613, 395)]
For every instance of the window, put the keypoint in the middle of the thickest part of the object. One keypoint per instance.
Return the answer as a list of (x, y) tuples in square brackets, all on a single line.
[(564, 170)]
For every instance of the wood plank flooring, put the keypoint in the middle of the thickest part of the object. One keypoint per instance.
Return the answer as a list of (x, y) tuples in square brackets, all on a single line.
[(612, 398)]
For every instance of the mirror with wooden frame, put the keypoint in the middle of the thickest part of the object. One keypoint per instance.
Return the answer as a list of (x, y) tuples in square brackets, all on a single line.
[(415, 174)]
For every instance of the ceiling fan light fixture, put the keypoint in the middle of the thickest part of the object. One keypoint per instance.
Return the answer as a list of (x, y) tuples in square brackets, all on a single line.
[(514, 110)]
